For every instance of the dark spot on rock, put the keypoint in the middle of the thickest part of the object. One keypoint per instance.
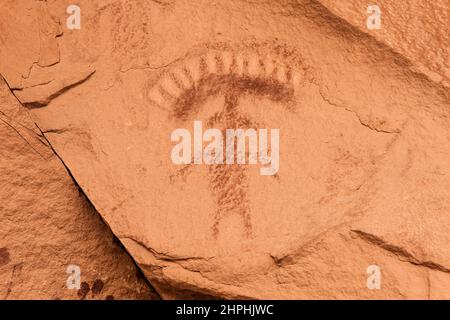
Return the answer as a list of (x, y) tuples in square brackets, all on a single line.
[(97, 286), (4, 256), (110, 297), (84, 290), (116, 241)]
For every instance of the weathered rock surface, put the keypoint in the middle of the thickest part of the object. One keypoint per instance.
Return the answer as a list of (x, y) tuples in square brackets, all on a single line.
[(364, 173), (47, 224), (417, 30)]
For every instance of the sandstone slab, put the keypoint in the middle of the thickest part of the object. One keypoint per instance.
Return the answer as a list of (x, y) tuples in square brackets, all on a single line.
[(364, 148), (47, 224)]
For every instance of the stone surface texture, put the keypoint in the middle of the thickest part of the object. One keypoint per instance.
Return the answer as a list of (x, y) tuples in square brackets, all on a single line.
[(47, 224), (364, 119)]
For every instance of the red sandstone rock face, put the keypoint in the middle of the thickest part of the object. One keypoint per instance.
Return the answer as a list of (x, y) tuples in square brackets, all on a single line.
[(364, 141), (418, 30), (48, 224)]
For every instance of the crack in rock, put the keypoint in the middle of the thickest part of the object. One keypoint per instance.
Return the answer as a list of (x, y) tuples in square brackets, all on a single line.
[(367, 125), (398, 251), (40, 96), (162, 255)]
